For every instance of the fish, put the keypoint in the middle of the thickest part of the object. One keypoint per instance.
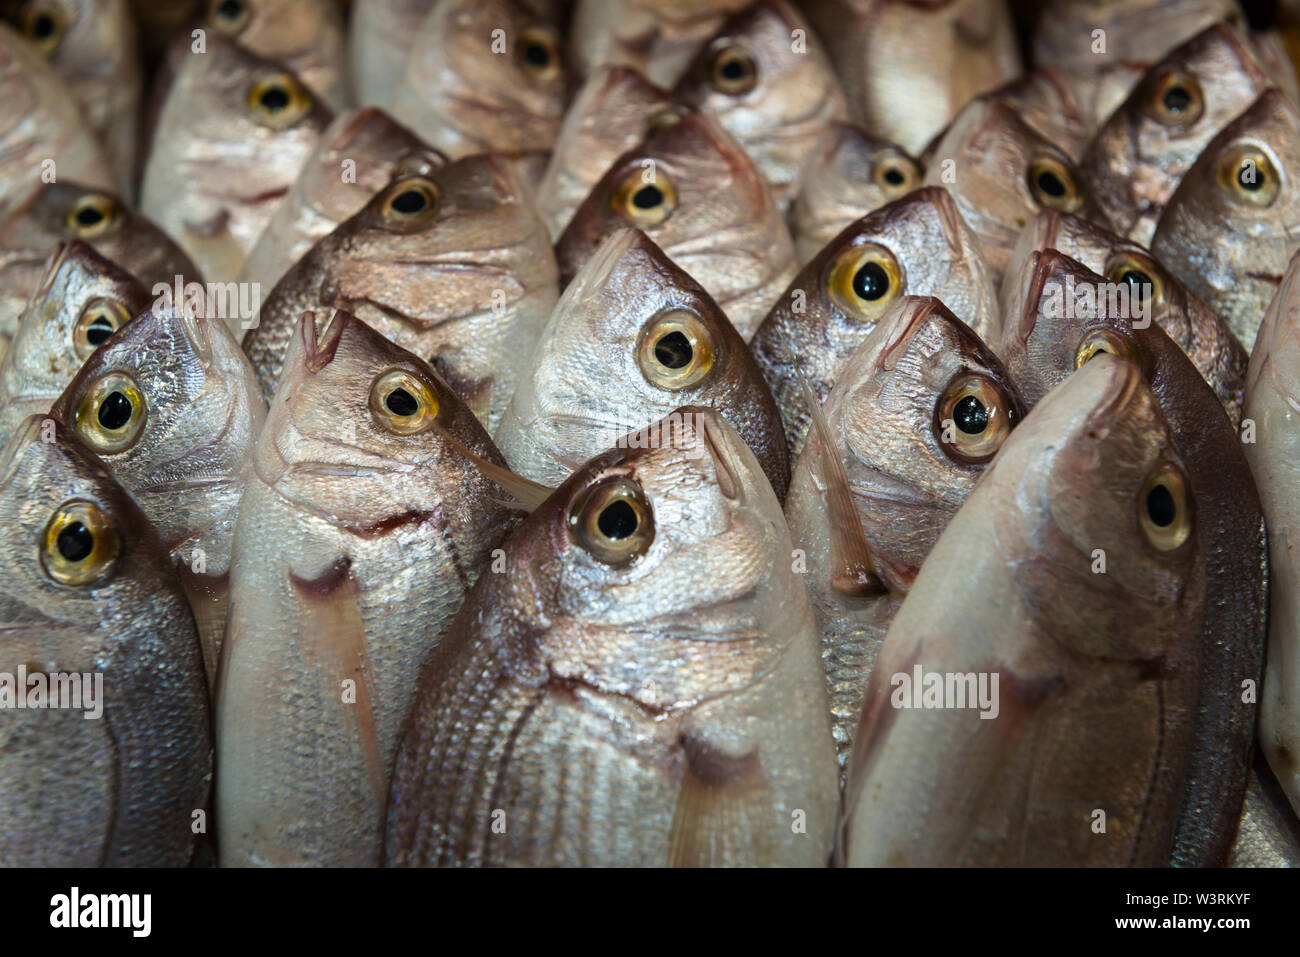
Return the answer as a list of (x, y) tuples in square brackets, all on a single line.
[(1226, 230), (1269, 835), (1136, 160), (767, 81), (915, 246), (640, 687), (454, 264), (633, 338), (692, 188), (92, 45), (42, 132), (362, 527), (915, 415), (80, 300), (67, 212), (224, 107), (1044, 99), (609, 115), (654, 37), (88, 591), (379, 35), (1002, 172), (306, 37), (1194, 326), (356, 156), (850, 174), (1092, 716), (483, 76), (170, 404), (1044, 345), (907, 68)]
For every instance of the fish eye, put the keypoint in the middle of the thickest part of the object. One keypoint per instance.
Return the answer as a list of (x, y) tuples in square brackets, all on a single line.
[(676, 351), (230, 16), (732, 70), (980, 414), (1142, 274), (279, 101), (864, 280), (93, 215), (44, 25), (1165, 510), (1249, 177), (80, 544), (1053, 184), (403, 403), (410, 203), (1104, 340), (1175, 99), (895, 174), (539, 53), (99, 319), (645, 200), (613, 522), (111, 413)]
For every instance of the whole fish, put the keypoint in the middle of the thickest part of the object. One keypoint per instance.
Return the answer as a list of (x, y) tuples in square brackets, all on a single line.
[(1044, 345), (1002, 172), (765, 78), (78, 303), (1269, 835), (64, 212), (633, 338), (696, 193), (92, 46), (357, 155), (915, 246), (42, 132), (379, 36), (483, 76), (454, 264), (1137, 158), (225, 107), (609, 115), (1096, 674), (362, 527), (1194, 326), (171, 406), (639, 687), (907, 68), (914, 417), (1227, 230), (88, 590), (850, 174), (657, 38)]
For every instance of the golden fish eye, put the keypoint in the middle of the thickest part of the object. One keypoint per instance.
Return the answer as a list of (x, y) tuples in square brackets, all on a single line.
[(539, 53), (403, 403), (1104, 340), (1174, 99), (279, 101), (676, 351), (1140, 272), (732, 70), (864, 280), (895, 174), (646, 198), (93, 215), (44, 25), (111, 413), (973, 417), (410, 203), (1165, 509), (613, 522), (1249, 177), (1053, 184), (80, 544), (230, 16), (99, 319)]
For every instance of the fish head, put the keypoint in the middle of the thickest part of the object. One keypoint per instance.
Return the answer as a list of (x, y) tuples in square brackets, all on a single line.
[(850, 161)]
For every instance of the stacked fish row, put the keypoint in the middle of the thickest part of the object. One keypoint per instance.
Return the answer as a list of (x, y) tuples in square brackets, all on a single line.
[(709, 432)]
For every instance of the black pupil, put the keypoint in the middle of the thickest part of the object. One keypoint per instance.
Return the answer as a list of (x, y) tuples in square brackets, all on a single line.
[(43, 26), (617, 520), (409, 201), (274, 99), (401, 402), (1177, 99), (1160, 506), (230, 9), (1051, 184), (894, 177), (115, 412), (89, 215), (734, 69), (871, 281), (76, 542), (674, 351), (100, 328), (1252, 182), (1137, 279), (537, 54), (971, 415), (647, 197)]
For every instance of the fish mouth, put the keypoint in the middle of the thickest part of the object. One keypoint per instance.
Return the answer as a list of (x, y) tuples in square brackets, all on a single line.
[(1124, 380), (950, 218), (713, 439), (916, 311), (318, 352)]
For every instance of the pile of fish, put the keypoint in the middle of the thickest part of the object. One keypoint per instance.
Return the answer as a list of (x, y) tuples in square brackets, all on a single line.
[(618, 432)]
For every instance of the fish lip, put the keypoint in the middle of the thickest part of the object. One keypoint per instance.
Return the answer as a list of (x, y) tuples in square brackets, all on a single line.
[(319, 352), (1126, 378), (950, 218), (1042, 262), (920, 310), (61, 253), (195, 328)]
